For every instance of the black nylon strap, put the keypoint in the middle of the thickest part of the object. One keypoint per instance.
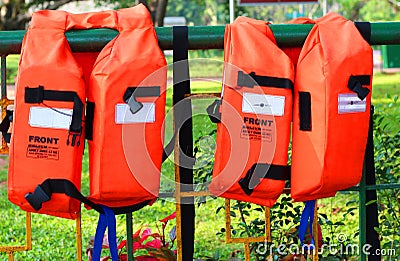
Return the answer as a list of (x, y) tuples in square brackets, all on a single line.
[(356, 83), (305, 111), (250, 80), (38, 95), (365, 30), (262, 171), (44, 191), (183, 123), (142, 91), (132, 93), (132, 208), (7, 137), (5, 125), (89, 117), (77, 113)]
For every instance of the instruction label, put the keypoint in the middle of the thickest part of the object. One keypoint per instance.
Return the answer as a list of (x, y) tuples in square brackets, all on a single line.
[(43, 148), (256, 133), (42, 152), (257, 129)]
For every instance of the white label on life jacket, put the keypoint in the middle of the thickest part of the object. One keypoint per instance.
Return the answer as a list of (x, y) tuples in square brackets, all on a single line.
[(53, 118), (350, 103), (124, 115), (263, 104)]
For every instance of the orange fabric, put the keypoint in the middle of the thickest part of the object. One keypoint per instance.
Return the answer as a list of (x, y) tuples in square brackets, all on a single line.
[(125, 159), (116, 179), (46, 60), (294, 52), (330, 156), (250, 46)]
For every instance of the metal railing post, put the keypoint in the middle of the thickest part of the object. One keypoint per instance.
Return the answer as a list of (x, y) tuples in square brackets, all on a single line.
[(362, 215), (129, 233)]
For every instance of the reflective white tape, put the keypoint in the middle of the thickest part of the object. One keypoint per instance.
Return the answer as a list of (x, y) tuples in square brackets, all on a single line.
[(124, 115), (53, 118), (263, 104), (350, 103)]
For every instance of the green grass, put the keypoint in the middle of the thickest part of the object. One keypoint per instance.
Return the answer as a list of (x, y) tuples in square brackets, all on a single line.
[(386, 90), (54, 238), (12, 67)]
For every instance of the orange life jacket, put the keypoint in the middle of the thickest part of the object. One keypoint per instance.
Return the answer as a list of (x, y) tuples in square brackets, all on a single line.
[(126, 97), (126, 105), (47, 139), (256, 112), (332, 96)]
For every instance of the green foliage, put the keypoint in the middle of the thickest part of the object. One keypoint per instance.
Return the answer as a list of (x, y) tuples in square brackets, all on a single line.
[(378, 10), (387, 164), (200, 12)]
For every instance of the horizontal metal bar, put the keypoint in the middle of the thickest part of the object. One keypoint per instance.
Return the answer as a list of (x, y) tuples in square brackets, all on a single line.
[(203, 95), (28, 238), (200, 37), (286, 191), (246, 240), (13, 248), (188, 194), (383, 186), (376, 187)]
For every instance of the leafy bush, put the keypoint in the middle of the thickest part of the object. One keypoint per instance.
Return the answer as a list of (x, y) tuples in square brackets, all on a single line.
[(387, 165)]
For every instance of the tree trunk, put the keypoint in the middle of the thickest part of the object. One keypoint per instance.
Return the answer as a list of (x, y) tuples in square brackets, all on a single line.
[(160, 12), (157, 9), (150, 6), (16, 16)]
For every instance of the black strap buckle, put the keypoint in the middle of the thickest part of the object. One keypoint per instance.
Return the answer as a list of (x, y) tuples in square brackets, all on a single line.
[(37, 198), (356, 83), (133, 104), (252, 79), (75, 140), (248, 183), (214, 112), (132, 93), (5, 125), (246, 80)]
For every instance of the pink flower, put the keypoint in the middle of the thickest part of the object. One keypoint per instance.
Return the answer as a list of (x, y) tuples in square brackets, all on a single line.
[(155, 243), (146, 233), (138, 245), (165, 220)]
